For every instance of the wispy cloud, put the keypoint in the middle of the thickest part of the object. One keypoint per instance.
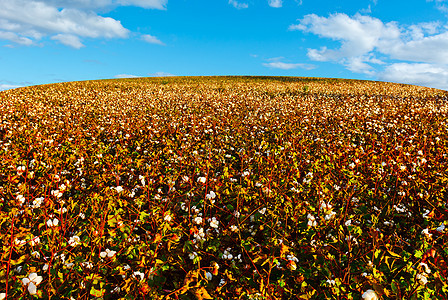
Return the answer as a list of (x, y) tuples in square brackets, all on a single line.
[(275, 63), (4, 87), (161, 74), (238, 5), (275, 3), (152, 39), (68, 40), (157, 4), (120, 76), (156, 74), (440, 5)]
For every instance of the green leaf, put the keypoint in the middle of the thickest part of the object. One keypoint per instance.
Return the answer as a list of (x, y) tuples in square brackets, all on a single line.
[(96, 293)]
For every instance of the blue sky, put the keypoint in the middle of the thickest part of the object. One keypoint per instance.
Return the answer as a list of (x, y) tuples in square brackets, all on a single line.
[(46, 41)]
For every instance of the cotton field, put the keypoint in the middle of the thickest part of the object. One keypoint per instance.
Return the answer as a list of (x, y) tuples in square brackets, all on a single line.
[(224, 188)]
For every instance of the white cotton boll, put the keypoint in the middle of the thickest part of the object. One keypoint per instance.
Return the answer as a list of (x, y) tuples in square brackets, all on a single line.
[(262, 211), (426, 233), (19, 242), (57, 193), (25, 281), (329, 216), (214, 223), (441, 228), (37, 202), (422, 279), (2, 296), (139, 274), (110, 253), (167, 218), (21, 199), (202, 180), (427, 269), (370, 295), (35, 278), (198, 220), (103, 254), (209, 276), (74, 241), (311, 221), (20, 170), (331, 281), (142, 179), (211, 195), (32, 289), (119, 189)]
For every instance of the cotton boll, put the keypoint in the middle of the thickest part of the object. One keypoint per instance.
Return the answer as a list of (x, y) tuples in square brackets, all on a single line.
[(370, 295), (209, 276), (32, 289)]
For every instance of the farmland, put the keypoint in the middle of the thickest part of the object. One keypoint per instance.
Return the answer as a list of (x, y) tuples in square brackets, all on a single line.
[(224, 188)]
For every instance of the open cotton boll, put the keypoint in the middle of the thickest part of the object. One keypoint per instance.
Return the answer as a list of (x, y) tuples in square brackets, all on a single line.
[(31, 282), (32, 289), (370, 295)]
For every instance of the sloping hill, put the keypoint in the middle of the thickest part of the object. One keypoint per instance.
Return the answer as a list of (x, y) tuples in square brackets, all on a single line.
[(224, 187)]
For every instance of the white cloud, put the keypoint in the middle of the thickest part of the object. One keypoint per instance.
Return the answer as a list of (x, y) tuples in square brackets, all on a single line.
[(4, 87), (430, 49), (94, 4), (161, 74), (156, 74), (419, 74), (275, 3), (152, 39), (158, 4), (11, 36), (120, 76), (288, 66), (363, 38), (439, 5), (68, 40), (358, 35), (24, 22), (238, 5)]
